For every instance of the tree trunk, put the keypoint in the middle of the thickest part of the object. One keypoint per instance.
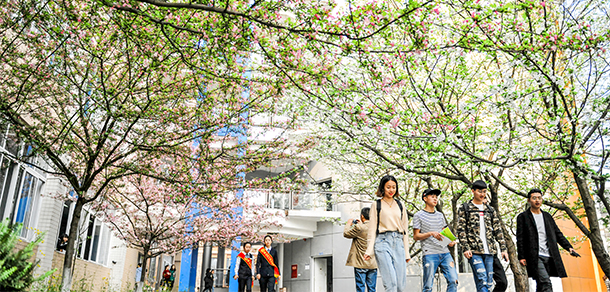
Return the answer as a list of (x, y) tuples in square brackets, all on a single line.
[(519, 272), (597, 243), (142, 282), (66, 282), (453, 225)]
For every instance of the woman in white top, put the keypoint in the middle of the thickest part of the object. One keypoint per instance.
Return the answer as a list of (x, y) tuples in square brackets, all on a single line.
[(387, 236)]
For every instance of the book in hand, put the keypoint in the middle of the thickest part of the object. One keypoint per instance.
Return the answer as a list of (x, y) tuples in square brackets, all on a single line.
[(447, 236)]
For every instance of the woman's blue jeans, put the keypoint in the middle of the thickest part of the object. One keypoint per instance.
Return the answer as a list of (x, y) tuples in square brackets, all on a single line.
[(391, 262), (443, 260)]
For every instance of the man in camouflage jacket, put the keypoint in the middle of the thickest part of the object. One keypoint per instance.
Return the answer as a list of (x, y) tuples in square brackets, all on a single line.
[(478, 232)]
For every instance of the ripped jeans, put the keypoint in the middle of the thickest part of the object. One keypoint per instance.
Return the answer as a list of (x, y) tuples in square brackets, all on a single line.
[(431, 263), (483, 271)]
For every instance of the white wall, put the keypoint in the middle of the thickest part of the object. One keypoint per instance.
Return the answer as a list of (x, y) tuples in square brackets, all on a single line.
[(117, 254), (49, 219)]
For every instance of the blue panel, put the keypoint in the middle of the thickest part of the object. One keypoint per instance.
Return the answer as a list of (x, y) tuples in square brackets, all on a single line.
[(232, 282), (23, 203), (188, 270), (193, 280)]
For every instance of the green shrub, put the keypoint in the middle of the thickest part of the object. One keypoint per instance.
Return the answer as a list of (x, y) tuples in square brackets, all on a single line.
[(16, 271)]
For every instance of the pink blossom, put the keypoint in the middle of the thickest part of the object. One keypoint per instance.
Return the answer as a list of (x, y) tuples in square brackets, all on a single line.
[(395, 122)]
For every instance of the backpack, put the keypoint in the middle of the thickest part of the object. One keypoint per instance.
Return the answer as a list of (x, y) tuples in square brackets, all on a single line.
[(379, 210)]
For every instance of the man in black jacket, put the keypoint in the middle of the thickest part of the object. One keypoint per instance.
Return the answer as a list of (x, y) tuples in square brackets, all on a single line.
[(267, 266), (537, 238)]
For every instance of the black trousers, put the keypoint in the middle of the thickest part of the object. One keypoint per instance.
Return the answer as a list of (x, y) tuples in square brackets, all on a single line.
[(244, 284), (543, 283), (499, 276), (267, 284)]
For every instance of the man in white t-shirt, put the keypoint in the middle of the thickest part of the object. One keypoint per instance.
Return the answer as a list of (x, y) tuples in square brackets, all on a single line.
[(478, 232), (537, 239)]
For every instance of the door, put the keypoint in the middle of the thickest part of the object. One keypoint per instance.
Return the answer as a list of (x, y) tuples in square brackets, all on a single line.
[(320, 274), (323, 274)]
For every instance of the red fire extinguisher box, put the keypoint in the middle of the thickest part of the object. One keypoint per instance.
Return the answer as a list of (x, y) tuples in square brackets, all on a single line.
[(294, 273)]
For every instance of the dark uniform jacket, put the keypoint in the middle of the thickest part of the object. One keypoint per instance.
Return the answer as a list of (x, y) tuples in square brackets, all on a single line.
[(263, 267), (244, 270), (527, 244)]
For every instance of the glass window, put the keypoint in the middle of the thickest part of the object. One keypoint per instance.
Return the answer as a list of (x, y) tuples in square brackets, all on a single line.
[(4, 169), (88, 240), (15, 197), (6, 192), (82, 233), (3, 128), (102, 257), (12, 143), (95, 241), (23, 201), (93, 235), (28, 153), (64, 226), (19, 188), (30, 200), (20, 194), (152, 270)]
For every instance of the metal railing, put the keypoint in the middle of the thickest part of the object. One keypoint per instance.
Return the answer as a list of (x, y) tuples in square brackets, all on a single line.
[(221, 277), (298, 200)]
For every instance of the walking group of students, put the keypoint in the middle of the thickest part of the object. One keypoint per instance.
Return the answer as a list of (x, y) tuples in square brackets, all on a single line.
[(380, 242)]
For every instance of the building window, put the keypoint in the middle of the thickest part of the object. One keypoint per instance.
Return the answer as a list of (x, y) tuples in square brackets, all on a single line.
[(66, 215), (325, 186), (93, 236), (6, 174), (3, 129), (93, 239), (88, 239), (152, 270), (220, 262), (12, 143), (27, 203), (20, 194), (20, 183)]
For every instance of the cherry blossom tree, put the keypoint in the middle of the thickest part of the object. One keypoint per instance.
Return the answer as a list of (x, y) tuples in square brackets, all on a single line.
[(453, 90), (158, 217), (102, 98), (513, 93)]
